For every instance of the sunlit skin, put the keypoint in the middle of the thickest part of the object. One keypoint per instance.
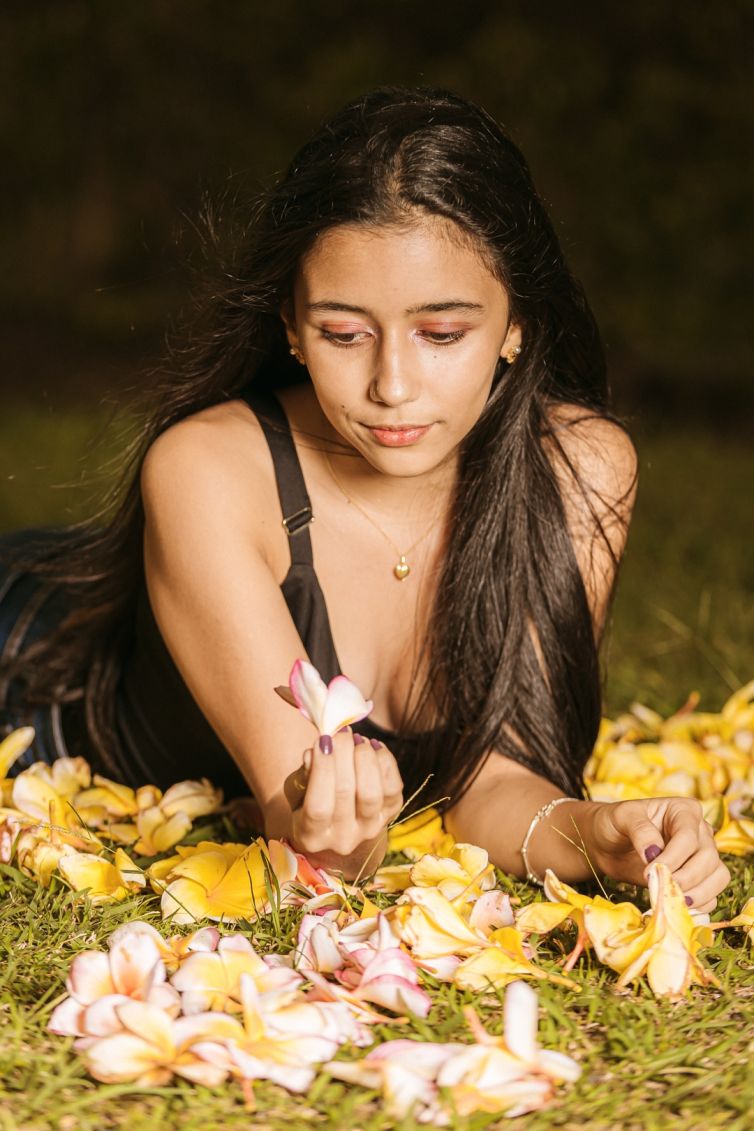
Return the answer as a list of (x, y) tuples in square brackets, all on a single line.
[(399, 330)]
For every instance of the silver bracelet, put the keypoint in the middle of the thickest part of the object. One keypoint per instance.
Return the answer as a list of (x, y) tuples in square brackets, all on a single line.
[(538, 816)]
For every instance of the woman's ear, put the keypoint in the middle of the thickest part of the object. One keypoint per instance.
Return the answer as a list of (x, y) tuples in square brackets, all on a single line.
[(289, 321), (511, 347)]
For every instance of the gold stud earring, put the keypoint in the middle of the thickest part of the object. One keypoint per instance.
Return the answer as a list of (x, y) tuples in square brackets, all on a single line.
[(512, 354), (298, 355)]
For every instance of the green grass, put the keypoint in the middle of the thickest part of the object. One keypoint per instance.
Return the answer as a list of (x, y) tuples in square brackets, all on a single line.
[(683, 619), (646, 1064)]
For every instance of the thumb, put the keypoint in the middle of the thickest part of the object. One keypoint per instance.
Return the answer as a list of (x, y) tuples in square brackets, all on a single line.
[(294, 786)]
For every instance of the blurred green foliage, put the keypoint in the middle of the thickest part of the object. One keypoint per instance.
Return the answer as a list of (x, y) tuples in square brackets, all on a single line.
[(117, 118)]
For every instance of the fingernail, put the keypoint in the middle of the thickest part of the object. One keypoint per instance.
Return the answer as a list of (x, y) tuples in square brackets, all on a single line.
[(307, 760), (358, 739), (652, 853), (375, 743), (325, 743), (689, 901)]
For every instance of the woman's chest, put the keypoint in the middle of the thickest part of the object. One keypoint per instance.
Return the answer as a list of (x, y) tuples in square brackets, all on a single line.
[(378, 616)]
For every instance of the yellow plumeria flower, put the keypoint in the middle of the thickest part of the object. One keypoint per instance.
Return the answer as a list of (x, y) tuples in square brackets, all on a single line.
[(465, 872), (734, 835), (46, 792), (664, 947), (39, 857), (218, 882), (211, 980), (502, 962), (174, 950), (38, 847), (567, 903), (158, 832), (419, 835), (392, 878), (104, 800), (104, 881), (431, 926), (194, 798)]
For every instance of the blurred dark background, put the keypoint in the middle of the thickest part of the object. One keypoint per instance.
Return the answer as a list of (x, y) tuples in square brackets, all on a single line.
[(119, 119)]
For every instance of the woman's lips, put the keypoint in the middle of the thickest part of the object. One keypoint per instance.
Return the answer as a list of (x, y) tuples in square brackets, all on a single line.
[(399, 437)]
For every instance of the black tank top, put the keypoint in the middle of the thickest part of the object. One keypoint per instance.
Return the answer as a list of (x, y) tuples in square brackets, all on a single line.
[(163, 735)]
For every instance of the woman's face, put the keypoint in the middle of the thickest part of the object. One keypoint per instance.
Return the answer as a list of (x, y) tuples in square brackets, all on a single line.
[(401, 329)]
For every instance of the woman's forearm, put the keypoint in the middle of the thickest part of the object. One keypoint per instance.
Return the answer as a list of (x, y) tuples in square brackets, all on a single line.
[(499, 817)]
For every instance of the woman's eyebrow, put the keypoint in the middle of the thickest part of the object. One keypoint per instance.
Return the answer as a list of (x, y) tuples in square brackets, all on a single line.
[(425, 308)]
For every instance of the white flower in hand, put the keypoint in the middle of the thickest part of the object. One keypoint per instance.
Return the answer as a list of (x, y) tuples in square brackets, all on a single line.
[(329, 706)]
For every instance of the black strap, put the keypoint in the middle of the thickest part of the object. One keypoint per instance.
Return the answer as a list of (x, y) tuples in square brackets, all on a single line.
[(294, 498)]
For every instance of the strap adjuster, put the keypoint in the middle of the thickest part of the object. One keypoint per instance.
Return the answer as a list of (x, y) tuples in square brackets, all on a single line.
[(298, 520)]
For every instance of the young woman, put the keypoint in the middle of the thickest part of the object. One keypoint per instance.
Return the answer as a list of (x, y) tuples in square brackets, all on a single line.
[(390, 453)]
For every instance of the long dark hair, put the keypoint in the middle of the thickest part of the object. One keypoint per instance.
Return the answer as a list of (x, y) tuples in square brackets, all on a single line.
[(511, 642)]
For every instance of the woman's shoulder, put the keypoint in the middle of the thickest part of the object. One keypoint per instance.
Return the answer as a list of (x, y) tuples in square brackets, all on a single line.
[(211, 469), (596, 450), (208, 447)]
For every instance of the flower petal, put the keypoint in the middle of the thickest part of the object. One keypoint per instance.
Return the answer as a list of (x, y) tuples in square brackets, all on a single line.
[(13, 746), (344, 705), (310, 692)]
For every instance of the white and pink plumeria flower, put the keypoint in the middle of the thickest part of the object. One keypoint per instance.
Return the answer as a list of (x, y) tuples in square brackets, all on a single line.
[(508, 1074), (330, 707), (100, 981)]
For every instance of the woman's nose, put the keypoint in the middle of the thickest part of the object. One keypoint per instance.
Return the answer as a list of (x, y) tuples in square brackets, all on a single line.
[(393, 381)]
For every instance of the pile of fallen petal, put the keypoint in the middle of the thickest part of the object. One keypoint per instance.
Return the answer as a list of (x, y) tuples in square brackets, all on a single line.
[(209, 1008), (691, 754)]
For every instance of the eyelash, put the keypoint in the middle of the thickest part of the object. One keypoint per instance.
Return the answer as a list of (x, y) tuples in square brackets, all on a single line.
[(439, 339)]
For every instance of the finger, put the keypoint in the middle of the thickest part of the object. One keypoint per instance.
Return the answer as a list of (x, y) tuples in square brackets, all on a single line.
[(704, 861), (704, 895), (369, 794), (681, 827), (319, 801), (344, 812), (392, 782), (294, 787)]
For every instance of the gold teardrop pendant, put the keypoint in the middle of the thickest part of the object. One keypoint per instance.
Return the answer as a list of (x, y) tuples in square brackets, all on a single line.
[(402, 569)]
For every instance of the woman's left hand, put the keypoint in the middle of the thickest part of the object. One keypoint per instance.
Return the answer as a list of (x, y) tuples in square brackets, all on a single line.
[(627, 836)]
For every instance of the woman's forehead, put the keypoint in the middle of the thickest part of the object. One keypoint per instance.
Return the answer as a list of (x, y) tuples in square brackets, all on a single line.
[(427, 254)]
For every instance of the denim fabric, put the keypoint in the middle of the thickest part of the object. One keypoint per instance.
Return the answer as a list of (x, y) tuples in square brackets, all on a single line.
[(29, 608)]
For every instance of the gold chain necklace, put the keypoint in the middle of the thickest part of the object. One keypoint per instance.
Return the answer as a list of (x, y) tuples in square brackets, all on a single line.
[(401, 569)]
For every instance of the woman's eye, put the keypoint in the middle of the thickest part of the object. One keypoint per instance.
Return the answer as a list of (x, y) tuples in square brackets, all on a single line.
[(443, 337), (344, 338)]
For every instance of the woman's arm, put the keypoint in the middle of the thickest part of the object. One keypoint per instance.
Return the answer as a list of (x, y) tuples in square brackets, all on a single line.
[(213, 558), (578, 836)]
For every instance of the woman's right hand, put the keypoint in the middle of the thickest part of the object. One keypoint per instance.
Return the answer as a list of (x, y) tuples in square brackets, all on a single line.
[(342, 802)]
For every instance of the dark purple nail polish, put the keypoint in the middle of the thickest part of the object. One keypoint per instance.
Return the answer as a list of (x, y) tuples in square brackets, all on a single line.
[(689, 901), (375, 743), (652, 853), (325, 743), (358, 739)]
